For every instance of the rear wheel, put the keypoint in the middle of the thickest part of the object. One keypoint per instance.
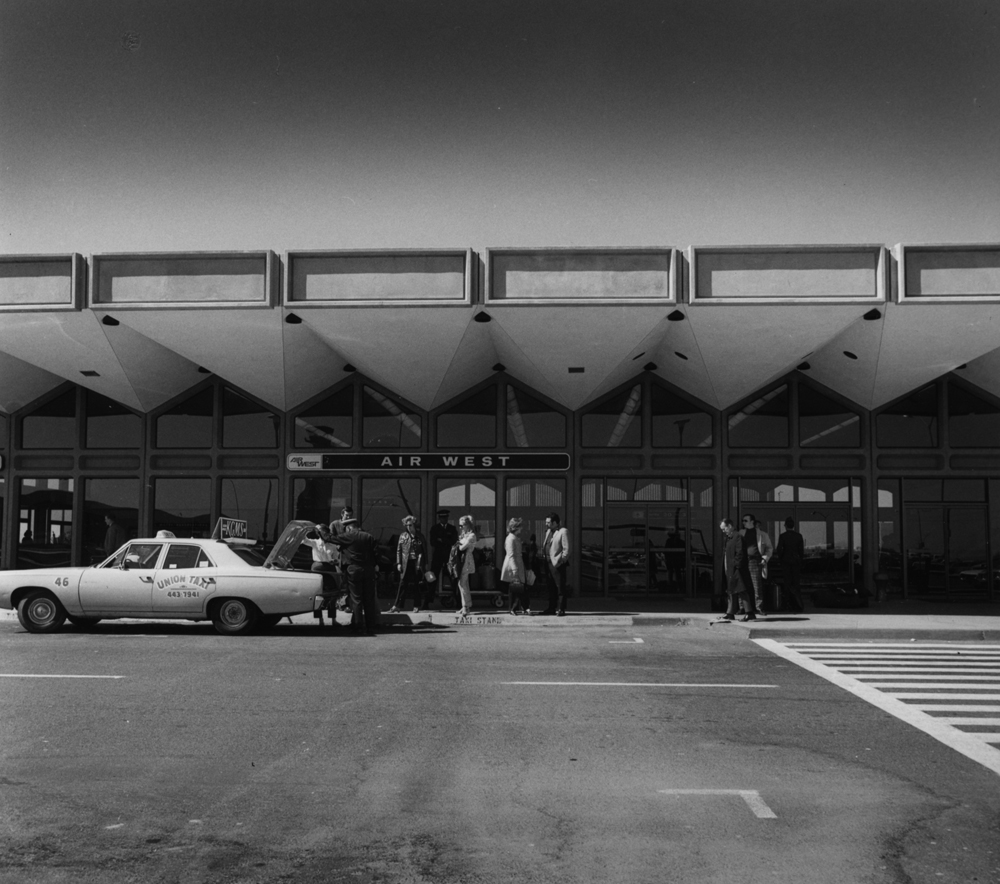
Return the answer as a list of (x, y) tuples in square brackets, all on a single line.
[(40, 611), (234, 617)]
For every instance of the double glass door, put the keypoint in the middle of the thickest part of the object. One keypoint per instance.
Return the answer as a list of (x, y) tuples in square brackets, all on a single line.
[(647, 549), (947, 550)]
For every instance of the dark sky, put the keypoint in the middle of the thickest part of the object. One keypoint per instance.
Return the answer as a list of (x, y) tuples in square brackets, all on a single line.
[(291, 124)]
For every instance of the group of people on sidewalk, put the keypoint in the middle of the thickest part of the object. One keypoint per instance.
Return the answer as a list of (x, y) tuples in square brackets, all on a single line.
[(747, 554), (422, 568)]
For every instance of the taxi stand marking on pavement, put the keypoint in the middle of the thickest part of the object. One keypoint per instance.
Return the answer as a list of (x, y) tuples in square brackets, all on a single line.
[(751, 796), (972, 745), (630, 641)]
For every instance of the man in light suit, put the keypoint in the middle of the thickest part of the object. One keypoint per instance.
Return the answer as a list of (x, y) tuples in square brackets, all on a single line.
[(555, 550)]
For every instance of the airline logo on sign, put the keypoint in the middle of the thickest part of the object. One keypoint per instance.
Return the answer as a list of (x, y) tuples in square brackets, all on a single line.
[(442, 462)]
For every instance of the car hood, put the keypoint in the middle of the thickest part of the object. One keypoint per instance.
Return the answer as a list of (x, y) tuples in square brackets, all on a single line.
[(286, 545)]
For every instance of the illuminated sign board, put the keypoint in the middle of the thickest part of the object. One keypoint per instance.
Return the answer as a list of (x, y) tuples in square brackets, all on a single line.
[(422, 461)]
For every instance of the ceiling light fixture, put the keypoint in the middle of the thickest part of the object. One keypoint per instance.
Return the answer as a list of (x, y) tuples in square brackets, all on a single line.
[(803, 366), (109, 320), (676, 316), (293, 319), (649, 366), (873, 314), (483, 316), (348, 367), (850, 355), (90, 373), (576, 370), (680, 355), (499, 367), (643, 353)]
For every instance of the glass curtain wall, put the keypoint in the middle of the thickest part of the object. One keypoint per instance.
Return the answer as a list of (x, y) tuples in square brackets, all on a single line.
[(45, 523)]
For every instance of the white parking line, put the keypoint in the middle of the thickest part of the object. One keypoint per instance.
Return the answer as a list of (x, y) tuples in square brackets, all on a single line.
[(750, 796), (631, 684), (631, 641), (25, 675)]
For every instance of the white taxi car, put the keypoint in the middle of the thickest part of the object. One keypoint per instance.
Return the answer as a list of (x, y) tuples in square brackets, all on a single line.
[(168, 577)]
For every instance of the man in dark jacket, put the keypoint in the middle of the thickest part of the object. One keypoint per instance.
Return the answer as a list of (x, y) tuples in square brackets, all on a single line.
[(736, 587), (790, 551), (443, 537), (359, 559)]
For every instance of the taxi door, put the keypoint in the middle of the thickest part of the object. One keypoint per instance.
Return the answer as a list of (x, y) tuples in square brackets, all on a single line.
[(125, 585), (184, 580)]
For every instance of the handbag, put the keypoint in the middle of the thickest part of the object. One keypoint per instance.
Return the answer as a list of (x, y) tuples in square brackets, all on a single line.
[(529, 578)]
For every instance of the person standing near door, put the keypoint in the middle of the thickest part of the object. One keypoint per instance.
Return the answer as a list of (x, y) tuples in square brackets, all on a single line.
[(410, 565), (791, 550), (736, 588), (443, 537), (758, 548), (555, 551)]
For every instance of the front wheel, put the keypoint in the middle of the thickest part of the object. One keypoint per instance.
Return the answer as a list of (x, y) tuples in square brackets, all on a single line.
[(234, 617), (39, 611)]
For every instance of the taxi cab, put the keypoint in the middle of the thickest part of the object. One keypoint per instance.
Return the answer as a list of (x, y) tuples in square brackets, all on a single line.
[(167, 577)]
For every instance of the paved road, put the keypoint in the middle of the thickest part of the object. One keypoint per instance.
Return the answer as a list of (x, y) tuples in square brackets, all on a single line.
[(480, 755)]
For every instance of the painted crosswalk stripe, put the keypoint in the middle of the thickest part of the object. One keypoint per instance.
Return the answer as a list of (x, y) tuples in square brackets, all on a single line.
[(29, 675), (941, 674), (630, 684)]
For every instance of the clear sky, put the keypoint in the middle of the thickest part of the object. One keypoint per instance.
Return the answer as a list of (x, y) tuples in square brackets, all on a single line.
[(130, 125)]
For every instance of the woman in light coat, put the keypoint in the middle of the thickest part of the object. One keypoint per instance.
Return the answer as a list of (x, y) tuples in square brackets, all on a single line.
[(466, 541), (512, 572)]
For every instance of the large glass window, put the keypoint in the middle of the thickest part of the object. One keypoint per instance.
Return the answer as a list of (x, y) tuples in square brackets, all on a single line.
[(616, 422), (972, 421), (910, 423), (476, 498), (320, 499), (4, 426), (532, 500), (531, 423), (890, 549), (111, 425), (52, 425), (188, 424), (245, 424), (183, 506), (592, 537), (256, 502), (824, 423), (702, 530), (387, 424), (118, 498), (676, 422), (327, 424), (384, 503), (471, 423), (45, 527), (763, 423)]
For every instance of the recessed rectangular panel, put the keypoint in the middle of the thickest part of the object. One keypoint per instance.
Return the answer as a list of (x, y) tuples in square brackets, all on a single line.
[(352, 277), (952, 273), (169, 280), (782, 274), (581, 275), (36, 282)]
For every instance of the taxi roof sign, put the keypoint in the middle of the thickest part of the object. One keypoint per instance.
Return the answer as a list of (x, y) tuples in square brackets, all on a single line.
[(232, 531)]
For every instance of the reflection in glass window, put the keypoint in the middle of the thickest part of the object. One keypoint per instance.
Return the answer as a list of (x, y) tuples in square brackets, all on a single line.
[(256, 502), (972, 421), (676, 422), (52, 425), (327, 424), (45, 526), (320, 499), (471, 423), (188, 424), (763, 423), (183, 506), (3, 431), (910, 423), (245, 424), (476, 498), (387, 424), (824, 423), (766, 491), (615, 423), (827, 491), (592, 537), (103, 498), (532, 500), (702, 530), (111, 425), (384, 503), (531, 423), (890, 550)]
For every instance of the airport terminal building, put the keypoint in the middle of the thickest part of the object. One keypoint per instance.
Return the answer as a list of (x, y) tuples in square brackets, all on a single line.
[(643, 394)]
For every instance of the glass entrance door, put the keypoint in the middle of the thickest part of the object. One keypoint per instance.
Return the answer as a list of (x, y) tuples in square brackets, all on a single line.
[(647, 548), (946, 550)]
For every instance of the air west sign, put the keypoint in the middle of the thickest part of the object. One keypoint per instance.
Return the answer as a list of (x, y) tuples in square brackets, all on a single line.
[(425, 461)]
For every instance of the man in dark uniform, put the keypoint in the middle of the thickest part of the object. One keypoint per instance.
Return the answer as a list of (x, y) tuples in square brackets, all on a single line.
[(336, 529), (444, 536), (115, 536), (791, 550), (359, 554)]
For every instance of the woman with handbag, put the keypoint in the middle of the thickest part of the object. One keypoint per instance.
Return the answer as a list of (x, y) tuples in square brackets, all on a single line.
[(513, 571)]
